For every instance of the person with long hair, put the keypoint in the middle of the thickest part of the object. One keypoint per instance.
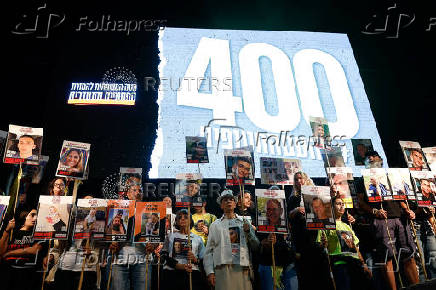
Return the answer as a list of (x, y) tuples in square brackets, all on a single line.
[(20, 252), (309, 255), (73, 160), (177, 253), (56, 187)]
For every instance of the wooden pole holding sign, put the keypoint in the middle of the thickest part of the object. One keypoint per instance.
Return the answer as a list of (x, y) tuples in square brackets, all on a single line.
[(189, 244), (46, 268), (110, 270), (393, 247), (17, 192), (79, 287), (273, 264)]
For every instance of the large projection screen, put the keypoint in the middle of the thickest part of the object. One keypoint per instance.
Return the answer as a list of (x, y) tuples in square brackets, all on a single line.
[(260, 88)]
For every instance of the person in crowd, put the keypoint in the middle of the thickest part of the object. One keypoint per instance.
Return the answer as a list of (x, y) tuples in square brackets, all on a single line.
[(310, 257), (56, 187), (73, 161), (283, 256), (227, 265), (417, 158), (20, 252), (128, 271), (65, 263), (180, 258), (202, 221), (349, 268), (426, 236), (391, 223)]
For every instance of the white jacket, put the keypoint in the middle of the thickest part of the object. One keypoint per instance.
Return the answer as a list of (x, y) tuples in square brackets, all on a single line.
[(219, 248)]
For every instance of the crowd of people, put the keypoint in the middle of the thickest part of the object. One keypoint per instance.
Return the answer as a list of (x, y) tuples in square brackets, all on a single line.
[(374, 245)]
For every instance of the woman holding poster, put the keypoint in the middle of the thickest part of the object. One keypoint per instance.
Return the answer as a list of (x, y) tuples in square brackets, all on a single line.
[(19, 253), (349, 268), (177, 253)]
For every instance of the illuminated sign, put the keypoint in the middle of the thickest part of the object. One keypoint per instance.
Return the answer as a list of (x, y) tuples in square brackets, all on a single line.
[(102, 94), (258, 88)]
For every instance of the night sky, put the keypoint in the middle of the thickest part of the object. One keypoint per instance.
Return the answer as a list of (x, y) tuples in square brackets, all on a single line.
[(398, 71)]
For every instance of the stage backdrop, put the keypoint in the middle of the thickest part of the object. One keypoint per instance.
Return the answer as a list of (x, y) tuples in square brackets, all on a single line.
[(259, 88)]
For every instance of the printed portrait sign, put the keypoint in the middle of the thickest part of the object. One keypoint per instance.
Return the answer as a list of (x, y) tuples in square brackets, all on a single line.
[(150, 220), (23, 145), (320, 130), (425, 187), (318, 208), (341, 181), (360, 148), (3, 137), (119, 220), (129, 177), (271, 211), (4, 203), (430, 155), (53, 217), (90, 219), (73, 160), (402, 188), (414, 156), (278, 171), (187, 187), (332, 157), (196, 150), (376, 184), (239, 167)]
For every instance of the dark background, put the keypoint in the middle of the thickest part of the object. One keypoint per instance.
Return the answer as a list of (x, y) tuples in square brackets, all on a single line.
[(398, 72)]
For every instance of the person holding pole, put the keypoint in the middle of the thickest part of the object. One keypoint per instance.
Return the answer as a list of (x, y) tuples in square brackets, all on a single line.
[(349, 269), (176, 253), (20, 253), (130, 269), (227, 261), (390, 227)]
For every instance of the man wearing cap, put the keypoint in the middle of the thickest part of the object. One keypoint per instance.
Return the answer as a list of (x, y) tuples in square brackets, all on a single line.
[(373, 160), (227, 264)]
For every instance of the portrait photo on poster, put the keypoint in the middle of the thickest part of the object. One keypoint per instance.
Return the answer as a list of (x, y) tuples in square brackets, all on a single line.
[(73, 160), (196, 150), (430, 155), (414, 155), (360, 149), (271, 211), (376, 184), (53, 217), (23, 145), (425, 187), (239, 167), (341, 181), (90, 219), (318, 208), (401, 185), (186, 188)]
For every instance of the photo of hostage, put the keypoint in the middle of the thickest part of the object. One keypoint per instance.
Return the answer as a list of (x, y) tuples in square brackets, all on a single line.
[(73, 161), (116, 226), (274, 213), (321, 209)]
